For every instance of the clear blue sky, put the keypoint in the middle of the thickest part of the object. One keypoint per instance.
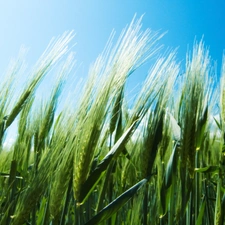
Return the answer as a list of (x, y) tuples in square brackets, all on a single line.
[(33, 23)]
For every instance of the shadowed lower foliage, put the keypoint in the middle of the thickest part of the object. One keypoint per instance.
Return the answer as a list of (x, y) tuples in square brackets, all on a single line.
[(106, 158)]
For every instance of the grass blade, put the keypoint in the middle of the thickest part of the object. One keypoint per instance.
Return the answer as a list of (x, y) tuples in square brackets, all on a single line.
[(114, 206), (201, 213), (103, 165)]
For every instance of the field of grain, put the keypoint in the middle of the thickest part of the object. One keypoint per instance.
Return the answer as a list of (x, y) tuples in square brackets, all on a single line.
[(105, 159)]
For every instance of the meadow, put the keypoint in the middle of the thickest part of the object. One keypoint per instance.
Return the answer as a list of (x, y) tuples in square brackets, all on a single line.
[(106, 157)]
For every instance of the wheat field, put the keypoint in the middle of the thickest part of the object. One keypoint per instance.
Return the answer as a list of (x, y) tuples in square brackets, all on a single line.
[(107, 158)]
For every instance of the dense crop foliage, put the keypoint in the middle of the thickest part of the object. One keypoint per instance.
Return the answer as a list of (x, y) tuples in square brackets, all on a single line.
[(106, 159)]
